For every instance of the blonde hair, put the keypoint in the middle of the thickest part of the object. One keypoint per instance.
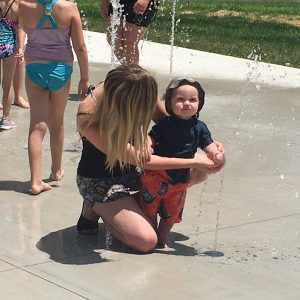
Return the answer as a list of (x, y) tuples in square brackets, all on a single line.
[(124, 113)]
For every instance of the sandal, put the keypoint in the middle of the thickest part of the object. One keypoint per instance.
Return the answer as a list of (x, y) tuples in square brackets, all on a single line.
[(86, 226)]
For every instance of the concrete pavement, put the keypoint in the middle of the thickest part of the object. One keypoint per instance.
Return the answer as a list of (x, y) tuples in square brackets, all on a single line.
[(240, 235)]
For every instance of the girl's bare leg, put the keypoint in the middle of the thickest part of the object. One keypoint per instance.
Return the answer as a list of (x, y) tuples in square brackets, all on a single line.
[(118, 41), (126, 222), (131, 39), (55, 121), (126, 43), (39, 102), (18, 86), (9, 65), (1, 107)]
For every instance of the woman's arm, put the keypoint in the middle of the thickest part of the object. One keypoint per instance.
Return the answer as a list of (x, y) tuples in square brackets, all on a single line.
[(156, 162), (200, 161)]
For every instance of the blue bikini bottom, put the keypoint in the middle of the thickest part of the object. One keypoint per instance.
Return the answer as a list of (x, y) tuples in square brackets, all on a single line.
[(51, 75)]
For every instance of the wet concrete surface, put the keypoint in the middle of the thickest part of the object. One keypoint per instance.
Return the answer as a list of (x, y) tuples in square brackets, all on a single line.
[(240, 235)]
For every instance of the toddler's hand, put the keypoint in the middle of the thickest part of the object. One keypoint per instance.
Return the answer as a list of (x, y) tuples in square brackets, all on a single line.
[(219, 158)]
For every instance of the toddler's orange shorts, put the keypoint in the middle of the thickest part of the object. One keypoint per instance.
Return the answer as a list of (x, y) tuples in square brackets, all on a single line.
[(158, 196)]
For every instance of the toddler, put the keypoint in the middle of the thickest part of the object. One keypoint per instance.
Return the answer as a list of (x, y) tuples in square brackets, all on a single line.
[(177, 135)]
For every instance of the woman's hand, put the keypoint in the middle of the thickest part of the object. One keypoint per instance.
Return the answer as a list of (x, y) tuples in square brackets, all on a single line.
[(205, 168), (140, 6), (202, 162)]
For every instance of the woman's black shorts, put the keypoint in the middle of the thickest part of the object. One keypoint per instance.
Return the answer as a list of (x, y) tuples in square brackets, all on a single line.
[(126, 11)]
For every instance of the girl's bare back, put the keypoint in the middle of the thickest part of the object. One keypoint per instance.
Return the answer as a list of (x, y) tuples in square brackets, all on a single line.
[(13, 12), (63, 12)]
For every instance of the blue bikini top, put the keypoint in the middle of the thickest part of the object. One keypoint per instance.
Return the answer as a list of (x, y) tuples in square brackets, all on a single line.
[(47, 15)]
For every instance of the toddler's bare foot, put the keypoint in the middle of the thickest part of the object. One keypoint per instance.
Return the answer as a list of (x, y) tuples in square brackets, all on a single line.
[(57, 176), (163, 243), (22, 103), (1, 106), (39, 188)]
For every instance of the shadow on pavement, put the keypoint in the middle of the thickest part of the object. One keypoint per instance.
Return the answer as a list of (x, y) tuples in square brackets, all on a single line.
[(66, 246)]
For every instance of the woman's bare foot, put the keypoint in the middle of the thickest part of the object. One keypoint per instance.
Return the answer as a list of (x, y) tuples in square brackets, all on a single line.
[(22, 103), (39, 188), (57, 176)]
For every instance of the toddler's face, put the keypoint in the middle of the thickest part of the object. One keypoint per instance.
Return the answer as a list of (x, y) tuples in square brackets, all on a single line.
[(185, 101)]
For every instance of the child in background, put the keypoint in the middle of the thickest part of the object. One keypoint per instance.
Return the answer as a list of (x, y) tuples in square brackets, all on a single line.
[(178, 135), (8, 14), (135, 18), (50, 26), (18, 81)]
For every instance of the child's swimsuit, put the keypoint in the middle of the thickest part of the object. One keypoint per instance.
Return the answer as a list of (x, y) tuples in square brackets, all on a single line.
[(51, 44)]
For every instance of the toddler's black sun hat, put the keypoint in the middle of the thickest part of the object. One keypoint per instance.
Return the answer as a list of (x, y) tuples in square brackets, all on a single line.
[(179, 81)]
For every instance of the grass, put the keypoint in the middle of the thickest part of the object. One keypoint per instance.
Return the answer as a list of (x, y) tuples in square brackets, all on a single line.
[(269, 28)]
